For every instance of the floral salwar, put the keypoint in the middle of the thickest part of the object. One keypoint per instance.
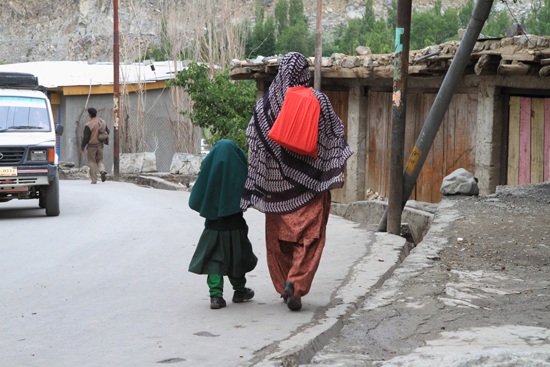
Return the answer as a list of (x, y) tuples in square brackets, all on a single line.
[(295, 243)]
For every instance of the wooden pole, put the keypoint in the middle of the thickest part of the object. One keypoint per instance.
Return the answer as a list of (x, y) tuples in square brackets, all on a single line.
[(116, 92), (318, 46), (399, 112)]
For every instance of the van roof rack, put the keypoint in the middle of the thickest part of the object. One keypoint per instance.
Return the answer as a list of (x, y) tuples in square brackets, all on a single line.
[(18, 80)]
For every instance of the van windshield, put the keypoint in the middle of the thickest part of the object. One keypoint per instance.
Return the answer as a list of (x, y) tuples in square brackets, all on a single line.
[(23, 114)]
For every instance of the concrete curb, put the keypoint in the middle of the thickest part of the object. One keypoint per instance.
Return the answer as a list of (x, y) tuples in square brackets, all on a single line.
[(369, 213), (369, 273), (159, 183)]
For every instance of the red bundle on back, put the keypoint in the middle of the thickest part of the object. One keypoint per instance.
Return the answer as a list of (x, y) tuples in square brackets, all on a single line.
[(297, 125)]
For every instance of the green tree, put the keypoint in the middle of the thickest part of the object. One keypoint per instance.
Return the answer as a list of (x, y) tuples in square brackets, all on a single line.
[(296, 13), (538, 22), (219, 104), (296, 36), (369, 17), (330, 45), (380, 37), (367, 31), (163, 51), (281, 16), (352, 36), (268, 46), (261, 40), (391, 20), (432, 27), (497, 24), (465, 14)]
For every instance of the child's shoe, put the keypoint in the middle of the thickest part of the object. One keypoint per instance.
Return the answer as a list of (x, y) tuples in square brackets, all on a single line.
[(242, 296), (217, 302)]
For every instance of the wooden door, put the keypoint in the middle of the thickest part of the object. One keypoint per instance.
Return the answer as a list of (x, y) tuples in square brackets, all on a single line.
[(339, 101), (528, 140), (453, 146)]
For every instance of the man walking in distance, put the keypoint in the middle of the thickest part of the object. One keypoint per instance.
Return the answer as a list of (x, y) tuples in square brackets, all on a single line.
[(95, 147)]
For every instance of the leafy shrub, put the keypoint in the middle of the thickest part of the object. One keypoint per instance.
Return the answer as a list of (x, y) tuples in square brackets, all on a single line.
[(219, 104)]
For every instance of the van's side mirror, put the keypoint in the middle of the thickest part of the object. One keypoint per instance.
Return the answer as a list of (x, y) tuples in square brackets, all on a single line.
[(59, 129)]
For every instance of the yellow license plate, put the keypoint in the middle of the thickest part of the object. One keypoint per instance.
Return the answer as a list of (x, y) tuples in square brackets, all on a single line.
[(8, 171)]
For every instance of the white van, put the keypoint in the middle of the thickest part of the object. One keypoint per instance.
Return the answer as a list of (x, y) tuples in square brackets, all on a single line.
[(28, 158)]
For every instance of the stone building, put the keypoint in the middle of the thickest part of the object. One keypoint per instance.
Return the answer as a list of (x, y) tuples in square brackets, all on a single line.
[(497, 125)]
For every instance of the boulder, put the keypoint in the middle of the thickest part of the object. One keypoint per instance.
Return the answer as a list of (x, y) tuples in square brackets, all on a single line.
[(186, 164), (362, 50), (460, 182), (515, 30)]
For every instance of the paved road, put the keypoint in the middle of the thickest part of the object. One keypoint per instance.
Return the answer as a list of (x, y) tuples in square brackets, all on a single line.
[(106, 283)]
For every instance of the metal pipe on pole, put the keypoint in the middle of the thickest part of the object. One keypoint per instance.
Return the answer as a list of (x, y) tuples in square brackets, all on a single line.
[(399, 112), (441, 103), (318, 46), (116, 95)]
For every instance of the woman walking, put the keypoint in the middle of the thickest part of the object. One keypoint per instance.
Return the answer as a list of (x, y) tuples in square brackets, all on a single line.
[(292, 188)]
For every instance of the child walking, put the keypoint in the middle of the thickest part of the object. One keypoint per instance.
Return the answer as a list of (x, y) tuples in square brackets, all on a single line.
[(224, 248)]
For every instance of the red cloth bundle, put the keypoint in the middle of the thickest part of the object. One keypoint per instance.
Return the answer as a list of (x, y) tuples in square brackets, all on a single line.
[(297, 125)]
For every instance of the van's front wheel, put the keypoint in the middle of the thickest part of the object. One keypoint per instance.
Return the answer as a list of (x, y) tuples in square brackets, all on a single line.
[(52, 198)]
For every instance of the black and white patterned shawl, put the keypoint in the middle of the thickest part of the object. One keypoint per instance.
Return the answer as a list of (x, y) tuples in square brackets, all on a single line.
[(280, 181)]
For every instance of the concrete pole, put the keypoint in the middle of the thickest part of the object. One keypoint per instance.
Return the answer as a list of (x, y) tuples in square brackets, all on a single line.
[(318, 46), (116, 110), (399, 112), (441, 103)]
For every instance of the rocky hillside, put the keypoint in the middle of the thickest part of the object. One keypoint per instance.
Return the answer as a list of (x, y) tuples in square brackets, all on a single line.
[(36, 30)]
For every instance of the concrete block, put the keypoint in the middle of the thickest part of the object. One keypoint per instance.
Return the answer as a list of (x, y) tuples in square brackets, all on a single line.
[(186, 164), (137, 162), (149, 162)]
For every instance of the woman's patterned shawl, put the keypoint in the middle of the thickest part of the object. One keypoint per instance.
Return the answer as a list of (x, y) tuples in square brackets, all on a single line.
[(280, 181)]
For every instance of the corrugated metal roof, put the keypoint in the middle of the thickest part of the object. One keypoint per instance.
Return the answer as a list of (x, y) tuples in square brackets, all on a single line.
[(53, 74)]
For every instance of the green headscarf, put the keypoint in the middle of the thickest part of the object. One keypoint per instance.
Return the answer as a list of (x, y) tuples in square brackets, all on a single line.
[(217, 192)]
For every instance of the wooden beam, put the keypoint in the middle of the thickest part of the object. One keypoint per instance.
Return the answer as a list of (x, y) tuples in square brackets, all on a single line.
[(513, 69), (544, 71), (525, 141), (513, 141), (521, 57), (109, 89), (55, 98), (537, 140)]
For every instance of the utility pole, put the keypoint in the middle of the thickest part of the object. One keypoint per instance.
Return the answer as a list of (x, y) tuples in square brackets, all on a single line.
[(116, 110), (399, 112), (441, 103), (318, 46)]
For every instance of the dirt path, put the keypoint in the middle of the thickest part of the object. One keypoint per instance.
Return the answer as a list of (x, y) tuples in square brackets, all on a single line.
[(489, 288)]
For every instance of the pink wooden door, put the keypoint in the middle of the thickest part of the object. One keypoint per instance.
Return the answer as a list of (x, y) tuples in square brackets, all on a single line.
[(528, 140)]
